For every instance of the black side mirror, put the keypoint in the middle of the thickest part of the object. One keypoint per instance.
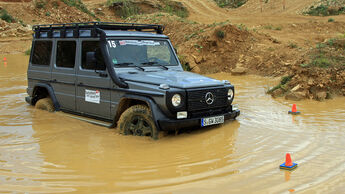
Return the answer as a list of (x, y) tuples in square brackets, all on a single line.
[(175, 50), (91, 61)]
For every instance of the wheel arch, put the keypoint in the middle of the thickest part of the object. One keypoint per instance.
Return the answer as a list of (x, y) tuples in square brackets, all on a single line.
[(131, 100), (43, 90)]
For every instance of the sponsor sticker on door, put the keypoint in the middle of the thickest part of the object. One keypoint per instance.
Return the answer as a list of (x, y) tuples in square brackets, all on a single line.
[(93, 96)]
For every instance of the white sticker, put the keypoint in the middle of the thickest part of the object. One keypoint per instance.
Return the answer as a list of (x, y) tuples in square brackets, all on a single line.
[(112, 43), (138, 42), (93, 96)]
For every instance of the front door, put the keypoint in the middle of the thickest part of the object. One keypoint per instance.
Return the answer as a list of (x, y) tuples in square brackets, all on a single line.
[(93, 83)]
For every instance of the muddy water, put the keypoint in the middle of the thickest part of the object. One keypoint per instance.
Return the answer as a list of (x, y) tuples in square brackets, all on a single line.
[(44, 152)]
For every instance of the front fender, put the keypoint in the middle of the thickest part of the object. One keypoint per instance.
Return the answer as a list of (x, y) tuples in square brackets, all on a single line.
[(157, 114)]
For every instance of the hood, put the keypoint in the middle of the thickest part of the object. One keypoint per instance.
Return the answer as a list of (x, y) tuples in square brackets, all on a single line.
[(178, 79)]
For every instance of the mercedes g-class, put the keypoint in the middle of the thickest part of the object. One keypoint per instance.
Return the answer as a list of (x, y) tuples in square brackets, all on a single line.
[(127, 74)]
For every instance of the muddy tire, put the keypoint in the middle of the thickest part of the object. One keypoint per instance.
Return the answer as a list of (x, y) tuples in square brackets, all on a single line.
[(45, 104), (137, 120)]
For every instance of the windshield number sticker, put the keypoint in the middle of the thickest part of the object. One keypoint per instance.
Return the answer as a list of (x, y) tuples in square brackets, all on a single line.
[(112, 43), (139, 42), (93, 96)]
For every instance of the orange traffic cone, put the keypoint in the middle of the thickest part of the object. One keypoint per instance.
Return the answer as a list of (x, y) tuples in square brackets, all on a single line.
[(294, 110), (288, 164)]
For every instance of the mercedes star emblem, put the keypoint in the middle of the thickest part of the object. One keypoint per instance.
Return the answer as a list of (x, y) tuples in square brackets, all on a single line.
[(209, 98)]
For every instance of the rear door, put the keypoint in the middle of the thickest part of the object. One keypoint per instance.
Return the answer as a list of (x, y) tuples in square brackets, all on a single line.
[(63, 73), (93, 90)]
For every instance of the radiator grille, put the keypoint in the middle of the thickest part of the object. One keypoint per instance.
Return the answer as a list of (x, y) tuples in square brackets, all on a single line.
[(196, 99)]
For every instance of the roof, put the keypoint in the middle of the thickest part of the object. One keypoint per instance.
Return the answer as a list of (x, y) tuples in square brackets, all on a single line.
[(89, 29)]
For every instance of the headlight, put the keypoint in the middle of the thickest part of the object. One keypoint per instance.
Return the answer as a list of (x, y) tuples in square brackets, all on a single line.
[(230, 94), (176, 100)]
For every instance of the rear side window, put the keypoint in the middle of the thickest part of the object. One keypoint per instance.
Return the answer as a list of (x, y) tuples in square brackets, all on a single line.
[(42, 53), (92, 46), (65, 54)]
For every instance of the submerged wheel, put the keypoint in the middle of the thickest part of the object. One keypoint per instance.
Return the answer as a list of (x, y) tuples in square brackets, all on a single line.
[(45, 104), (137, 120)]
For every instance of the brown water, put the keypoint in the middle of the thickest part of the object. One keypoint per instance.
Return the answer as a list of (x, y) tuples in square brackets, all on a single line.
[(44, 152)]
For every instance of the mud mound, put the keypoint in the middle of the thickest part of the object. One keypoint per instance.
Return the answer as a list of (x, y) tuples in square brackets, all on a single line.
[(318, 75), (219, 49), (46, 11), (13, 30), (126, 8)]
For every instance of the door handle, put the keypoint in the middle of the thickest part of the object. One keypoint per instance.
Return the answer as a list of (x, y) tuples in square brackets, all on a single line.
[(103, 74)]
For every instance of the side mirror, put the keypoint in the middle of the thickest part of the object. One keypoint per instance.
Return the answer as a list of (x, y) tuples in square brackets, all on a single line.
[(91, 61), (175, 50)]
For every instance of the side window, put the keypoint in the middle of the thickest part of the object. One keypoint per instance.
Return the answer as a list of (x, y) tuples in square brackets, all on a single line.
[(65, 54), (42, 53), (92, 46)]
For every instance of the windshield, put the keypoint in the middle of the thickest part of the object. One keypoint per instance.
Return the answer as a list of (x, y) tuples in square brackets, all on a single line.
[(126, 53)]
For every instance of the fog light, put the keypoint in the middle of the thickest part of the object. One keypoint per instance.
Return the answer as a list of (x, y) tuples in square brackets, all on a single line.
[(182, 115)]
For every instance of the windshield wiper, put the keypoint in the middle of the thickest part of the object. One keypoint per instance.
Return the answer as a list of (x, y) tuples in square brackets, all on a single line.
[(130, 64), (155, 63)]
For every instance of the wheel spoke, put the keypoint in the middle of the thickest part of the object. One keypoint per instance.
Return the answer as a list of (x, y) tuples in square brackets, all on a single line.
[(140, 124), (147, 131)]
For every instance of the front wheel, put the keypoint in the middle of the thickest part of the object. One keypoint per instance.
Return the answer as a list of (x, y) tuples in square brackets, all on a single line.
[(137, 120)]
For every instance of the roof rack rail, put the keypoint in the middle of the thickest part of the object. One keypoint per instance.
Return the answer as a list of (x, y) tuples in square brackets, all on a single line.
[(50, 28)]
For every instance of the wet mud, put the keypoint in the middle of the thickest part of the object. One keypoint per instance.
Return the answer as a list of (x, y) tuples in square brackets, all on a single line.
[(44, 152)]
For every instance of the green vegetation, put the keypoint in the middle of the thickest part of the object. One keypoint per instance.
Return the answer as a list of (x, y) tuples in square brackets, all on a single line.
[(327, 8), (292, 45), (48, 13), (218, 24), (230, 3), (4, 15), (194, 34), (27, 52), (242, 27), (79, 5), (270, 27), (330, 20), (184, 63), (128, 8), (220, 34), (183, 13), (282, 84), (125, 9), (40, 4), (328, 54), (55, 4)]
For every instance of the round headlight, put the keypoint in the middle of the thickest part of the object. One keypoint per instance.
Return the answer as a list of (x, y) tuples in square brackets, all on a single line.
[(230, 94), (176, 100)]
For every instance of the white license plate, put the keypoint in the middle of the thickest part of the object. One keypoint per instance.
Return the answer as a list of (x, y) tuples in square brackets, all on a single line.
[(212, 121)]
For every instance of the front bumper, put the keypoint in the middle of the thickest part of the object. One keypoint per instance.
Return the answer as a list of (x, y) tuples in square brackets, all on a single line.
[(169, 124)]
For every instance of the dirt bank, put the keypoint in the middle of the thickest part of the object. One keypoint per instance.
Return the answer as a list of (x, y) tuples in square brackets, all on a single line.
[(274, 42)]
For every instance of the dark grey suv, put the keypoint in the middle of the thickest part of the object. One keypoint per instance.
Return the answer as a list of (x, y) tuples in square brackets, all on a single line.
[(126, 74)]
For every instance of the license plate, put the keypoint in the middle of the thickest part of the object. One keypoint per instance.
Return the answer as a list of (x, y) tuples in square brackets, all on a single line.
[(212, 121)]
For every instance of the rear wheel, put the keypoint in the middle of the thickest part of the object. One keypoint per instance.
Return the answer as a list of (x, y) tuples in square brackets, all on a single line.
[(45, 104), (137, 120)]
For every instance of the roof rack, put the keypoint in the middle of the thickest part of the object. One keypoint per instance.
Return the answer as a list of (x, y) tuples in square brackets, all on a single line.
[(50, 28)]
